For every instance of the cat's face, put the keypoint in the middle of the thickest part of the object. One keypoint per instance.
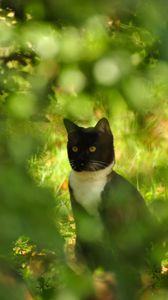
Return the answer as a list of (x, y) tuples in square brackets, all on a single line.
[(90, 149)]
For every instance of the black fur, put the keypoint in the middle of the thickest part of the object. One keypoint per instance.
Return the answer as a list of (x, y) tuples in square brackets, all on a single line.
[(99, 136)]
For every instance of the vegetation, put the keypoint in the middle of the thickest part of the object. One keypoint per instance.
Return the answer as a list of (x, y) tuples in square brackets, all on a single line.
[(81, 61)]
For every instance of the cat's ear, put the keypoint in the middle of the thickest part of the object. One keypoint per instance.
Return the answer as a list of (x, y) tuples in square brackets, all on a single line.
[(103, 125), (70, 126)]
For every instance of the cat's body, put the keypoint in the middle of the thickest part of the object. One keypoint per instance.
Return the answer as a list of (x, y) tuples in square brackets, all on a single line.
[(110, 200), (113, 223)]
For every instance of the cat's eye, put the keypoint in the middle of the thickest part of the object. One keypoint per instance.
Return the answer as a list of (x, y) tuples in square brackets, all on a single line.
[(92, 149), (75, 149)]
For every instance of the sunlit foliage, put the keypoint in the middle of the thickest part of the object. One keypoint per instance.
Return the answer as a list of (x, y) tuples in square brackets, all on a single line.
[(81, 61)]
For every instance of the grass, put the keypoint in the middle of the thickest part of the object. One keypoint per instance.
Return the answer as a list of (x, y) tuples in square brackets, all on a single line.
[(140, 157)]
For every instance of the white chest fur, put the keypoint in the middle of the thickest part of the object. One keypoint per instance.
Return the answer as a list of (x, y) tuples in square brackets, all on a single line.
[(88, 186)]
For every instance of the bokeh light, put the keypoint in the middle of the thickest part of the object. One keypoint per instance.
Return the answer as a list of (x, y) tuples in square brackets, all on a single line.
[(81, 61)]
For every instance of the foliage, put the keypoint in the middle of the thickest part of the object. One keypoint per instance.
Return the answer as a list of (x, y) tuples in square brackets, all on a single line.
[(57, 60)]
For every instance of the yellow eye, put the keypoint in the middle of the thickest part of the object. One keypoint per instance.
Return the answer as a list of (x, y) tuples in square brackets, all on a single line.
[(75, 149), (92, 149)]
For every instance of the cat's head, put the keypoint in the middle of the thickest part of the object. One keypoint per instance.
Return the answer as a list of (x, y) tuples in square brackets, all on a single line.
[(90, 149)]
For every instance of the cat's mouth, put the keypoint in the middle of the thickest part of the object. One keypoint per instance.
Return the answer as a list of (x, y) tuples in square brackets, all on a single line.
[(79, 167), (91, 166)]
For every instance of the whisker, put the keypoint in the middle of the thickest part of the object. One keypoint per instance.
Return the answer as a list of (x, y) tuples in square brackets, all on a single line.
[(99, 161), (93, 168), (93, 165), (100, 164), (72, 164), (96, 166)]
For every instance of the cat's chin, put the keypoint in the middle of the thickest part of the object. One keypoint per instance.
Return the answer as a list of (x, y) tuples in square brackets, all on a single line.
[(87, 169), (91, 168)]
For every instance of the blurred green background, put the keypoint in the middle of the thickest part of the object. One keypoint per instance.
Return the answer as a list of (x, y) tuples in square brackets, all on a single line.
[(81, 60)]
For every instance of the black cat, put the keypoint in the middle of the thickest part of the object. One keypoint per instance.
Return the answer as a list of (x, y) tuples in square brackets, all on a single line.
[(113, 224)]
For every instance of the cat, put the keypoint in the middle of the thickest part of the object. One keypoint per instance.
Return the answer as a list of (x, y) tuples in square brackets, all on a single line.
[(113, 223)]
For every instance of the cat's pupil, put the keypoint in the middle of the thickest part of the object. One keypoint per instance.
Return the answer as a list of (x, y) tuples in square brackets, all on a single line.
[(75, 149), (92, 149)]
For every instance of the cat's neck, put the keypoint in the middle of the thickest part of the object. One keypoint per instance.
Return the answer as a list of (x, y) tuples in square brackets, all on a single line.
[(93, 175)]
